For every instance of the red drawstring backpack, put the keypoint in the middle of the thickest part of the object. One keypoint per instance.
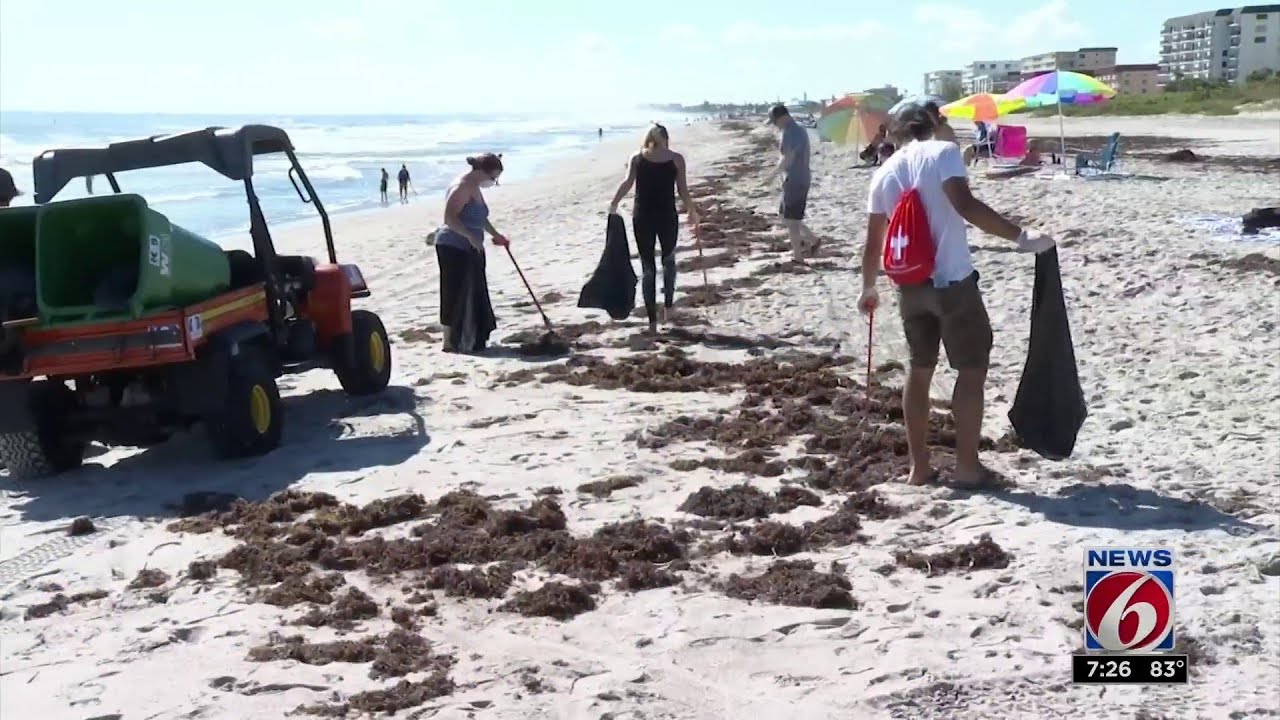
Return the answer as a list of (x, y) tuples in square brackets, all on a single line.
[(908, 245)]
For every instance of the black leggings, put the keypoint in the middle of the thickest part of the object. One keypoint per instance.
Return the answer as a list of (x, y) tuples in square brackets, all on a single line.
[(650, 230)]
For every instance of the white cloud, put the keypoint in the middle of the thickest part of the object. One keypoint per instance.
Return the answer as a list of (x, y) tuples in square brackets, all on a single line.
[(1036, 30), (963, 28), (750, 33), (681, 34), (1051, 21)]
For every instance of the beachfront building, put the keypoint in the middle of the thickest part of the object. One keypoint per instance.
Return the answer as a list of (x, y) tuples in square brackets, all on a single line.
[(996, 82), (1227, 44), (939, 82), (1141, 79), (888, 91), (1084, 60), (984, 75)]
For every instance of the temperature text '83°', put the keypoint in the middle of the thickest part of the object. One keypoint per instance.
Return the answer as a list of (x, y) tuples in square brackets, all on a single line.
[(1129, 669)]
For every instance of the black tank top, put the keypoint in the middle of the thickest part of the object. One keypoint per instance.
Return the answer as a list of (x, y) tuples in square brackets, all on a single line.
[(655, 188)]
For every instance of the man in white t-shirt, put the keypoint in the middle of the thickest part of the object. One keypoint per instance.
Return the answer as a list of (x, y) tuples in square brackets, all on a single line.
[(949, 309)]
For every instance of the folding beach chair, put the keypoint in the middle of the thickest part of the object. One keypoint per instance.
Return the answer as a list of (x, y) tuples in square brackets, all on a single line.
[(1100, 163), (984, 141), (1011, 145)]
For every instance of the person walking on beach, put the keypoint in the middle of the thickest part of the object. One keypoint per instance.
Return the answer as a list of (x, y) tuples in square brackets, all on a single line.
[(657, 174), (600, 133), (382, 185), (465, 309), (947, 307), (8, 190), (403, 177), (794, 167)]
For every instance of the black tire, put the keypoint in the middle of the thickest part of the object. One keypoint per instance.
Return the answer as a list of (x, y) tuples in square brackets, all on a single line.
[(251, 422), (371, 350), (50, 448)]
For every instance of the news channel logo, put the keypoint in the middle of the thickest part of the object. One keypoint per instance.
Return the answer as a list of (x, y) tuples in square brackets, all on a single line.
[(1128, 599)]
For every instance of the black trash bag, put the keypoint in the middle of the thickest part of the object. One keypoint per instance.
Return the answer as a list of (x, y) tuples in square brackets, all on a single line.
[(612, 286), (1049, 409), (1259, 218)]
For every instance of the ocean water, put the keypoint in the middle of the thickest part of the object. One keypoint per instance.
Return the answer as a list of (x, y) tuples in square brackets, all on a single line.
[(342, 155)]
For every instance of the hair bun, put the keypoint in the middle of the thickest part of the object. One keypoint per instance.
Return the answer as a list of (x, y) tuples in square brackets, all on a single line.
[(472, 161)]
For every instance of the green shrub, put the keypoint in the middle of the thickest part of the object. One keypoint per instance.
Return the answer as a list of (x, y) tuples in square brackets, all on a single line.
[(1188, 97)]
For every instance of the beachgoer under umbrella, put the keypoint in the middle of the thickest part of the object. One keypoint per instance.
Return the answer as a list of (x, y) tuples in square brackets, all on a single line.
[(984, 142), (658, 174), (948, 308), (382, 185), (871, 153), (465, 309)]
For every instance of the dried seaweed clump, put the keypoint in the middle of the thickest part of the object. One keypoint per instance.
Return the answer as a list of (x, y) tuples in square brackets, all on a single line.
[(554, 600), (149, 578), (60, 603), (981, 555), (744, 502), (793, 582)]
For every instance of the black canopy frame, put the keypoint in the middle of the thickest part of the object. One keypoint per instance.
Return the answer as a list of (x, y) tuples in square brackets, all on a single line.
[(228, 151)]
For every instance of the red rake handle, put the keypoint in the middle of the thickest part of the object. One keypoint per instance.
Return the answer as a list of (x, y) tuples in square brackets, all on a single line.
[(871, 332), (697, 236), (532, 296)]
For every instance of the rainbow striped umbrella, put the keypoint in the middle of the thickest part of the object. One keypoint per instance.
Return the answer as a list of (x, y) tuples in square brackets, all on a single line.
[(1059, 87), (984, 107), (853, 119), (1062, 87)]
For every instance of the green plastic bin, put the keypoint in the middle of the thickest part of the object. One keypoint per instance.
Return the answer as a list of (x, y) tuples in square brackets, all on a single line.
[(114, 257)]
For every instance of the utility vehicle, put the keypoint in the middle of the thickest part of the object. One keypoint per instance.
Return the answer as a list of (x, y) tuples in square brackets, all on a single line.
[(120, 327)]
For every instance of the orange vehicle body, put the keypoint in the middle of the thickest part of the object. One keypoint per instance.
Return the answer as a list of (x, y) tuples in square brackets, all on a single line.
[(176, 336)]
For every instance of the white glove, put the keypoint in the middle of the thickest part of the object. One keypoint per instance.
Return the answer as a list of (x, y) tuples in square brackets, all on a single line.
[(1034, 241)]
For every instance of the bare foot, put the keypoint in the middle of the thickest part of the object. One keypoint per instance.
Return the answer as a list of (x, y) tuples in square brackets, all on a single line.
[(653, 327), (922, 476)]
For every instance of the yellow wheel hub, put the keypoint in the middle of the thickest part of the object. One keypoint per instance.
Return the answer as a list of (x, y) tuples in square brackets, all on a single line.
[(260, 409), (377, 352)]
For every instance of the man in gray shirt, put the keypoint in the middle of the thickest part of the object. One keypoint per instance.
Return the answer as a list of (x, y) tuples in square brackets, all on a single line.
[(794, 166)]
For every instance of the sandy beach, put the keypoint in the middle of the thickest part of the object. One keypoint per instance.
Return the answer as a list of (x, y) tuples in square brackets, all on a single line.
[(708, 524)]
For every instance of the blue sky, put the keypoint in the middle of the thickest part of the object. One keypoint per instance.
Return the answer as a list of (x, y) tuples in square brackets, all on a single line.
[(423, 56)]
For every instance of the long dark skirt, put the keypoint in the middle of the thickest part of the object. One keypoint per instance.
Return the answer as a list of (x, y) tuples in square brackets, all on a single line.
[(464, 299)]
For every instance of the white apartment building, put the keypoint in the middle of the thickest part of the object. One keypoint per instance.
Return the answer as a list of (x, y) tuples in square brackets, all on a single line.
[(1086, 60), (1226, 44), (988, 75), (936, 82), (1000, 83)]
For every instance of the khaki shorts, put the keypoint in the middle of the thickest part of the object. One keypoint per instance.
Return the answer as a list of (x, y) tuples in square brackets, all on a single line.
[(955, 316)]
